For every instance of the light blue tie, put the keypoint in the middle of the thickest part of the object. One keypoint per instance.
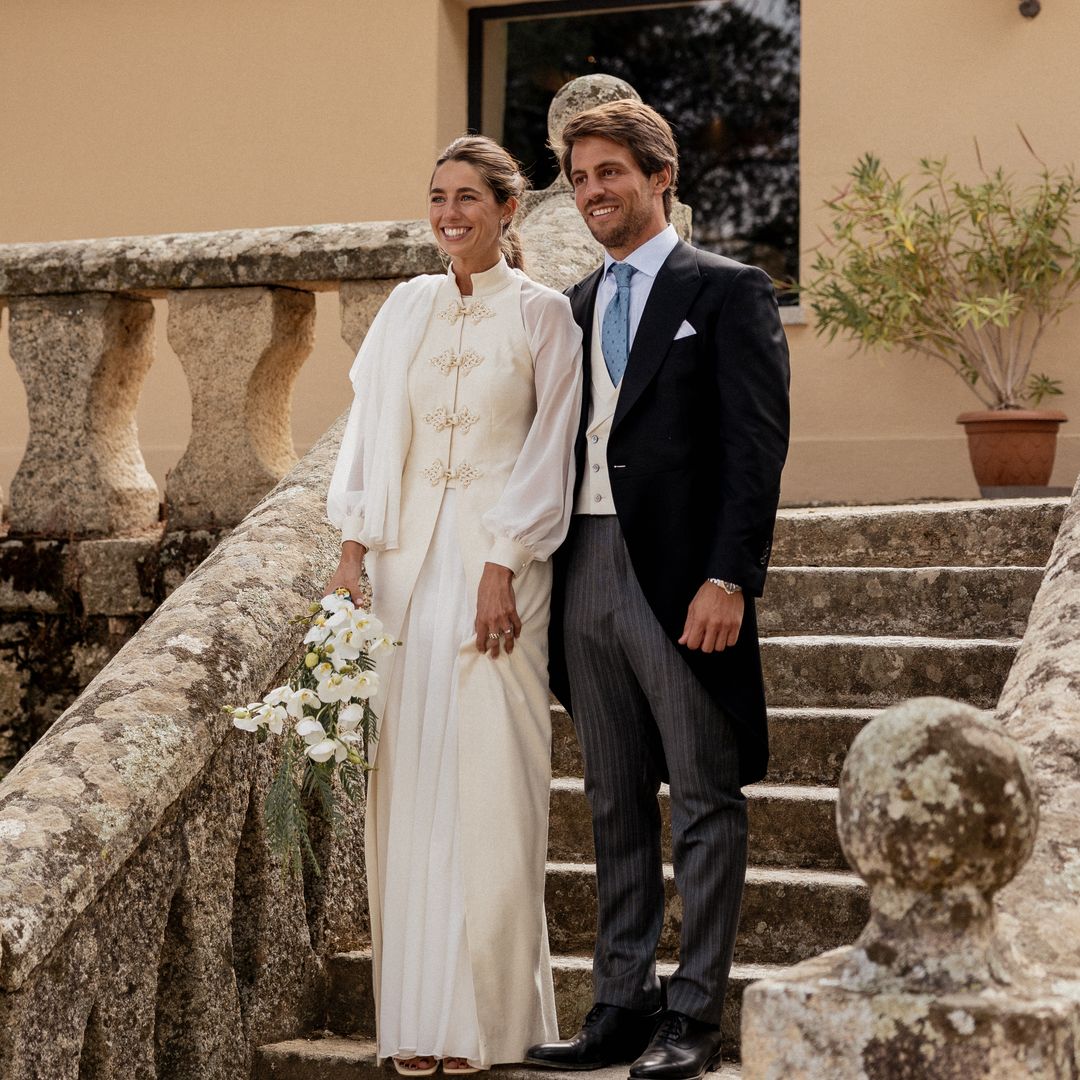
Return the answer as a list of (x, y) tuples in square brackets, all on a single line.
[(615, 332)]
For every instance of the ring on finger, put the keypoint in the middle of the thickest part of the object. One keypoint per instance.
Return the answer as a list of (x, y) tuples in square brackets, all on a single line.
[(508, 630), (493, 636)]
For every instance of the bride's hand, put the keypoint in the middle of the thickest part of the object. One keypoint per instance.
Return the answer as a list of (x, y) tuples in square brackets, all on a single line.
[(350, 567), (496, 611)]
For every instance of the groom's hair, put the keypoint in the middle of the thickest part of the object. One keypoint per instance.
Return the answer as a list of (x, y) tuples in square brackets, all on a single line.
[(633, 124)]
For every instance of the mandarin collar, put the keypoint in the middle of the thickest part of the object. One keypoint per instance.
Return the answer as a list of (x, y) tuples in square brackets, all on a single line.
[(487, 281)]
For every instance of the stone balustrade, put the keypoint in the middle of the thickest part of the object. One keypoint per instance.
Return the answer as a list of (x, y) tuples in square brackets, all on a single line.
[(241, 320)]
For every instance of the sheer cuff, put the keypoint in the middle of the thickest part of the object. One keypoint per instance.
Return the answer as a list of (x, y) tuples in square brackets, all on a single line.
[(352, 528), (510, 553)]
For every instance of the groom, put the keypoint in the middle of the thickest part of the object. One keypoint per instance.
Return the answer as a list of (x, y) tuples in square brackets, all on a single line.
[(683, 435)]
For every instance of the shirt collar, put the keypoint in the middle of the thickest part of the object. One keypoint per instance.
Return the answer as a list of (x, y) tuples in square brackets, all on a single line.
[(650, 256)]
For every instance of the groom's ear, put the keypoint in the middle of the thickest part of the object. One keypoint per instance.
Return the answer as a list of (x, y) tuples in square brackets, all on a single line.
[(662, 180)]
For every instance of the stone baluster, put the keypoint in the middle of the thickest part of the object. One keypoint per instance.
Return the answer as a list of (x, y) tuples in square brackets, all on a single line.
[(360, 302), (241, 350), (937, 812), (82, 359)]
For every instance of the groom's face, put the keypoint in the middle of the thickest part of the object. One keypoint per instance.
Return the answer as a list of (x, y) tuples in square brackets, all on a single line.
[(621, 205)]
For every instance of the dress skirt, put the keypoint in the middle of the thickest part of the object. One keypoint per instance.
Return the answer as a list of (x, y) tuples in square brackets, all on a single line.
[(426, 999)]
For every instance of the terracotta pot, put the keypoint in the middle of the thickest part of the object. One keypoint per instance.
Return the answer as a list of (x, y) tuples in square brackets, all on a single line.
[(1012, 447)]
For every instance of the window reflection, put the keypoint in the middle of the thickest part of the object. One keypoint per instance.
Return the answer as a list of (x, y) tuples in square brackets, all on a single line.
[(725, 73)]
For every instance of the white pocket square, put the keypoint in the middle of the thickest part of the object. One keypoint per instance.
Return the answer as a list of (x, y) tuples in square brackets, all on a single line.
[(686, 330)]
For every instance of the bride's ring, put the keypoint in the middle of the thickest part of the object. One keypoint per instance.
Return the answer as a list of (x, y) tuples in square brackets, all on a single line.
[(508, 630), (493, 636)]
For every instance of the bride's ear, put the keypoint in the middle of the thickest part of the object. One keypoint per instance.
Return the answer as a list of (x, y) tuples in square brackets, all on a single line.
[(510, 210)]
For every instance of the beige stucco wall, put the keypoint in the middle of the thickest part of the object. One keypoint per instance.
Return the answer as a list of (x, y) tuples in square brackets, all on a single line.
[(922, 78), (125, 117)]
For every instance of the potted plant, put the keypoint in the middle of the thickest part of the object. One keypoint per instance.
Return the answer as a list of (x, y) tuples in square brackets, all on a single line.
[(969, 274)]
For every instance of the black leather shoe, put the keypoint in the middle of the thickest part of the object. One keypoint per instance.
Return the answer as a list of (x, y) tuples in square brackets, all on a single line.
[(610, 1036), (682, 1049)]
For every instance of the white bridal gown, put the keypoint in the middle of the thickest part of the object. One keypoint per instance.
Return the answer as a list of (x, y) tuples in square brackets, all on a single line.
[(456, 827)]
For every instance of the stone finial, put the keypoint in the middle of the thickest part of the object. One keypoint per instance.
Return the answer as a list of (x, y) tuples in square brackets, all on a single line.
[(559, 249), (937, 811), (241, 350), (82, 359), (585, 92)]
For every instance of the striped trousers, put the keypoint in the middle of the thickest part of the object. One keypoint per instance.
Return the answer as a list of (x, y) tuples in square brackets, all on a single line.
[(642, 716)]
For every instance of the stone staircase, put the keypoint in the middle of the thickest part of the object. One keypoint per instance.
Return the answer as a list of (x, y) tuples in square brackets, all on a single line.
[(864, 607)]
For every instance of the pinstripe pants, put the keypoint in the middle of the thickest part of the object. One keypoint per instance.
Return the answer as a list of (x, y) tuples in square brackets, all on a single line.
[(641, 714)]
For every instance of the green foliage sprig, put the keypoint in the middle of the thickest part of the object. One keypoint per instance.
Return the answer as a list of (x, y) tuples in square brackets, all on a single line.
[(325, 720), (969, 274)]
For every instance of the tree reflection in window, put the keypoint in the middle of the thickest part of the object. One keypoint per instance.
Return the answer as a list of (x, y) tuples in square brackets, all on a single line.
[(725, 73)]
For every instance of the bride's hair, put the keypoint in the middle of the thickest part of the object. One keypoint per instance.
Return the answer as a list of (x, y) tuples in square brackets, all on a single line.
[(501, 173)]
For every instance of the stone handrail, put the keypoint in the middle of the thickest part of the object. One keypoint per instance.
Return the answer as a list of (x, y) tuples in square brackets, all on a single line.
[(136, 888), (304, 257), (1040, 707)]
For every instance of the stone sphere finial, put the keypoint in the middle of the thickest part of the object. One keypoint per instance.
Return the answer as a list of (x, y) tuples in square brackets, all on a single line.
[(934, 796), (581, 94)]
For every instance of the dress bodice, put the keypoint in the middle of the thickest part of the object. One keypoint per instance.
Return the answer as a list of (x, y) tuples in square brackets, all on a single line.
[(471, 386)]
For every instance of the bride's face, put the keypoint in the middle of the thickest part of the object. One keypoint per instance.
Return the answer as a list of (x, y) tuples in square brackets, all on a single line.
[(464, 215)]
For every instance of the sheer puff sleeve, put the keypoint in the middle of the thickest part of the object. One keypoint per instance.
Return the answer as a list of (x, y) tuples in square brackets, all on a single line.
[(532, 516)]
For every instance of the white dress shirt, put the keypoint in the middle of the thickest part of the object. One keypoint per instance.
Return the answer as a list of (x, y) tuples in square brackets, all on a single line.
[(594, 495), (646, 261)]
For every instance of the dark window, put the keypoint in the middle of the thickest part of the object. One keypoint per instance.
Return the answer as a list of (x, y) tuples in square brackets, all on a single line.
[(725, 74)]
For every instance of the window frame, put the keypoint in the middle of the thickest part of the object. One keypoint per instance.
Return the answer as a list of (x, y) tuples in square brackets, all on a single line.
[(530, 9)]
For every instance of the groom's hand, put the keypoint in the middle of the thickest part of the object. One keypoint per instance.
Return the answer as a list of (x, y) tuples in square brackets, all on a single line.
[(713, 619)]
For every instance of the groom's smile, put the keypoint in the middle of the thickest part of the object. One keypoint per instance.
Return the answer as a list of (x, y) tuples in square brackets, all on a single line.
[(621, 205)]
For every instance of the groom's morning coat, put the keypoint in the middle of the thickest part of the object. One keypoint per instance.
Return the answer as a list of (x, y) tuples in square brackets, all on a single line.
[(696, 448)]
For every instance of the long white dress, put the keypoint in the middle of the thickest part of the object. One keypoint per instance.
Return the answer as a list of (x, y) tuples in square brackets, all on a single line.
[(456, 827)]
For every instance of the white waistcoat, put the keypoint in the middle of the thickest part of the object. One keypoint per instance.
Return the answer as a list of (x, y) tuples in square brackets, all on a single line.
[(594, 495)]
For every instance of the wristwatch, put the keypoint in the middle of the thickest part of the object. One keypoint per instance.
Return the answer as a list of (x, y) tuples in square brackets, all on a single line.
[(728, 586)]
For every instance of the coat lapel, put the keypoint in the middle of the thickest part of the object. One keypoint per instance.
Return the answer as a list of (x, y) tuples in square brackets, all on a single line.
[(672, 293), (583, 304)]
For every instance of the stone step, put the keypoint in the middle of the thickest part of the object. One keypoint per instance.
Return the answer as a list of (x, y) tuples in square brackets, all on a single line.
[(830, 685), (983, 532), (807, 746), (861, 672), (938, 601), (338, 1058), (351, 1010), (787, 915), (789, 826)]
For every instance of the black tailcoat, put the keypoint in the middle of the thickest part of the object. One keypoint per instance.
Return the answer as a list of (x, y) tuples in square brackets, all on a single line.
[(697, 444)]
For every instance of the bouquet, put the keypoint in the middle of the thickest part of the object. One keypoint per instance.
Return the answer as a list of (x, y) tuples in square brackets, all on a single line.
[(324, 715)]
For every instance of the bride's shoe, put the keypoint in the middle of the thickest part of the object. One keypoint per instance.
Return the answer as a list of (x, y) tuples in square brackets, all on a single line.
[(401, 1066), (456, 1066)]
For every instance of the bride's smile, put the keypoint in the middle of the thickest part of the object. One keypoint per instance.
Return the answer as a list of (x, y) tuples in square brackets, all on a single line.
[(466, 218)]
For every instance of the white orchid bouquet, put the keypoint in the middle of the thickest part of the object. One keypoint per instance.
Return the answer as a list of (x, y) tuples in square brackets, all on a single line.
[(325, 716)]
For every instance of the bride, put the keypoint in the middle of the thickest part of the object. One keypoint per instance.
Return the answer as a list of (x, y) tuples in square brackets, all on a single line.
[(454, 482)]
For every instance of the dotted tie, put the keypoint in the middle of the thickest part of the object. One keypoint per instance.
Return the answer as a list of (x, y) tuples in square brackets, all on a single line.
[(615, 332)]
